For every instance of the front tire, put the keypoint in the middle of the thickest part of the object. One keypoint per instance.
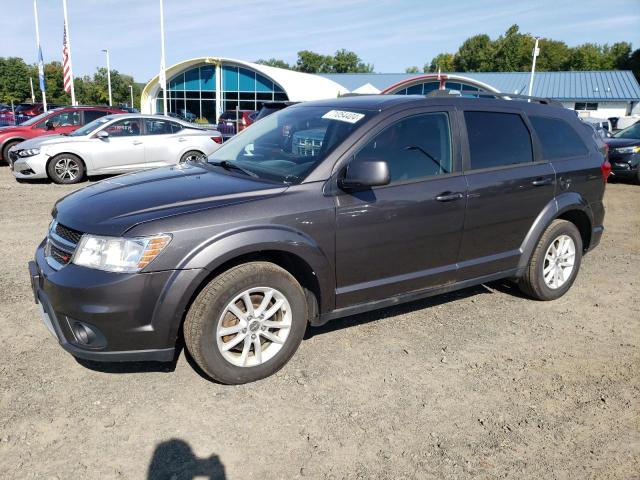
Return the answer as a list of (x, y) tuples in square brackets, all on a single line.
[(66, 169), (555, 262), (246, 323)]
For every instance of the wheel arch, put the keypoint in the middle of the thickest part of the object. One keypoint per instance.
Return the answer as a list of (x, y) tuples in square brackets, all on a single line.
[(10, 140), (53, 156), (570, 206)]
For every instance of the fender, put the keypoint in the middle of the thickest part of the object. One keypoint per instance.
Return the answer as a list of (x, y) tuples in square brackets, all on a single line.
[(552, 210)]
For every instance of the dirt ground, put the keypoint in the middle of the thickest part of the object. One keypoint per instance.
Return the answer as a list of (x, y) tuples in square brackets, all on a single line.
[(482, 383)]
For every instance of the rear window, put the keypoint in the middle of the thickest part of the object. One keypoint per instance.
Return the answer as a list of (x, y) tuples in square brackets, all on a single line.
[(91, 115), (558, 138), (497, 139)]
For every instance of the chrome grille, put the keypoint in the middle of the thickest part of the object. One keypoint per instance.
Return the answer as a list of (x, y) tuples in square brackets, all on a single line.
[(61, 245)]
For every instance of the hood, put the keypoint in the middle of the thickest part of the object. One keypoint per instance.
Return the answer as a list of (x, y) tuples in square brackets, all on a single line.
[(45, 140), (622, 142), (113, 206)]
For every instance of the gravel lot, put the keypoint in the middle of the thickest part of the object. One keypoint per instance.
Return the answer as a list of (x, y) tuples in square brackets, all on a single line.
[(481, 383)]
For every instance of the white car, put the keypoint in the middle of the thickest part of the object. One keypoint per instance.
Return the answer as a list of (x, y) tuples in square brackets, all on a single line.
[(112, 144)]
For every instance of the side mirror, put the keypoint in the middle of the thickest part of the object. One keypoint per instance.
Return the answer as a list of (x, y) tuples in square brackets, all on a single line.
[(49, 125), (102, 134), (362, 175)]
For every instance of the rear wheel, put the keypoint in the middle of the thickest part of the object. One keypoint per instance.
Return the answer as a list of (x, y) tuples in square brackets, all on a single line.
[(247, 323), (554, 263), (65, 168), (6, 148), (191, 156)]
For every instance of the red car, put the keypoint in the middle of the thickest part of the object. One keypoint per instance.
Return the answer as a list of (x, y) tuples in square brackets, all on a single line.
[(54, 122)]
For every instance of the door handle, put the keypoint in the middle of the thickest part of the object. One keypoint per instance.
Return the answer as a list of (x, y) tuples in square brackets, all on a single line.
[(137, 142), (181, 139), (448, 196), (538, 182)]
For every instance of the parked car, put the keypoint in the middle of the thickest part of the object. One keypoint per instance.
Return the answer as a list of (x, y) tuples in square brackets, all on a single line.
[(112, 144), (272, 107), (406, 197), (624, 153), (59, 121), (237, 120)]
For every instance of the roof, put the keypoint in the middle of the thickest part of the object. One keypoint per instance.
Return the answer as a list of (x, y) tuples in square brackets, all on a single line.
[(618, 85)]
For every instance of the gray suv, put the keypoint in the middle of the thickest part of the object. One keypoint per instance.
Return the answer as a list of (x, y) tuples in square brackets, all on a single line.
[(322, 210)]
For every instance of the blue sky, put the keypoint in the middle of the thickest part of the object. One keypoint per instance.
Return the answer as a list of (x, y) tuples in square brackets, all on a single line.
[(391, 34)]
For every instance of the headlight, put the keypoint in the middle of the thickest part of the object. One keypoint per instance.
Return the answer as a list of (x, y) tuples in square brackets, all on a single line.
[(114, 254), (29, 152), (628, 149)]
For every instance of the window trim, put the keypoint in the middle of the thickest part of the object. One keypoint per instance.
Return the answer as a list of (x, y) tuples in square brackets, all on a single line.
[(536, 152)]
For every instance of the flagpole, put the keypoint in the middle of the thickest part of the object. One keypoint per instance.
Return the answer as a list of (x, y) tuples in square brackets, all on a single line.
[(163, 66), (66, 26), (33, 95), (40, 61)]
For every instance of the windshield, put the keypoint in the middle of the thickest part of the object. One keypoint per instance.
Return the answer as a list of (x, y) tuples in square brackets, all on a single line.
[(286, 146), (91, 127), (630, 132), (35, 119)]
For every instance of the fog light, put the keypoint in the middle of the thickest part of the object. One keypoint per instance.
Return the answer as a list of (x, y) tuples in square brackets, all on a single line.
[(82, 333)]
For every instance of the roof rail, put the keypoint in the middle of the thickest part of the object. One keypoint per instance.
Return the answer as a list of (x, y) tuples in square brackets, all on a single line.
[(506, 96)]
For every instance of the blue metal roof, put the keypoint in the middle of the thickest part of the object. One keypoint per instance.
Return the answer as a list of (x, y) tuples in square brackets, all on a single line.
[(618, 85)]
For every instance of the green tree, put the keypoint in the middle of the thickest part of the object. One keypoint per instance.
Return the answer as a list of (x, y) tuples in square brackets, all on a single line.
[(345, 61), (587, 56), (634, 63), (274, 62), (512, 51), (413, 69), (554, 55), (312, 62), (617, 56), (444, 61), (475, 55), (14, 80)]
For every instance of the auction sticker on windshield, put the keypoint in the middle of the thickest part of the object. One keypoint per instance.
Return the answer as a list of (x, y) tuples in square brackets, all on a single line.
[(343, 116)]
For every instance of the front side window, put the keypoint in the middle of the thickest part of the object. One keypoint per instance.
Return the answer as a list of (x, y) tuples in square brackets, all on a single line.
[(64, 119), (415, 147), (286, 146), (497, 139), (129, 127), (630, 132), (558, 138)]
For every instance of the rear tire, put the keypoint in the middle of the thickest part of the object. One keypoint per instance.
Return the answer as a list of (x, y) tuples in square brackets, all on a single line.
[(555, 262), (6, 148), (236, 344), (66, 169), (191, 156)]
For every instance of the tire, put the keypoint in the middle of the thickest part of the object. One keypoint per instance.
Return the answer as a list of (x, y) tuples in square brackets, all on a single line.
[(211, 312), (540, 280), (66, 169), (5, 149), (190, 156)]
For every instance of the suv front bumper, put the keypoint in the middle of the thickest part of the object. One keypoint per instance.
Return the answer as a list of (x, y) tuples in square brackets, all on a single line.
[(105, 316)]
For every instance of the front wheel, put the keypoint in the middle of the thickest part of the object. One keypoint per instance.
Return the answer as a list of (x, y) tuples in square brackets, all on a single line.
[(554, 263), (246, 323), (191, 156), (65, 168)]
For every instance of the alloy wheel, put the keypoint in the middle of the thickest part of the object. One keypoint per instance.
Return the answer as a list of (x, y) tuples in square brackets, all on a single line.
[(559, 261), (253, 327), (67, 169)]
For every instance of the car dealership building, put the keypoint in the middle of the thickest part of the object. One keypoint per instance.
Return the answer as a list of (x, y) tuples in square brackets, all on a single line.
[(203, 88)]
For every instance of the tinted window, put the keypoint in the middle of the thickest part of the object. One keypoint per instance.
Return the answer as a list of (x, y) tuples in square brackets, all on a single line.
[(91, 115), (497, 139), (415, 147), (558, 138)]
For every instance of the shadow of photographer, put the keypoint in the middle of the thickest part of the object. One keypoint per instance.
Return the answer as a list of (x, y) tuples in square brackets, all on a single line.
[(174, 460)]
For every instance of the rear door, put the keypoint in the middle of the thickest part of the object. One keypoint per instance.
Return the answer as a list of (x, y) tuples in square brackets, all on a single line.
[(89, 116), (162, 142), (403, 236), (508, 186)]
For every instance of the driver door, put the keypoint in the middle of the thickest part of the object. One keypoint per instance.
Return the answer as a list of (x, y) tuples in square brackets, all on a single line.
[(404, 236), (122, 150)]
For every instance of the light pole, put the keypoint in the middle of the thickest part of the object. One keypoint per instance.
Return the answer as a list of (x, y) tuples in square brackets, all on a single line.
[(131, 92), (536, 52), (106, 51)]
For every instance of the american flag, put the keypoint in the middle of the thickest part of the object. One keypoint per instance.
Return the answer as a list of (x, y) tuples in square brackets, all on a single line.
[(66, 61)]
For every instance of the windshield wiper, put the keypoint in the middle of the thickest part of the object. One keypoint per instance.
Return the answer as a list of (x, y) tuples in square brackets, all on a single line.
[(428, 155), (227, 165)]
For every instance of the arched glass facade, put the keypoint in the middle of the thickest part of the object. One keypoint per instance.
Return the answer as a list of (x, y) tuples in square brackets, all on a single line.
[(426, 87), (192, 94)]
